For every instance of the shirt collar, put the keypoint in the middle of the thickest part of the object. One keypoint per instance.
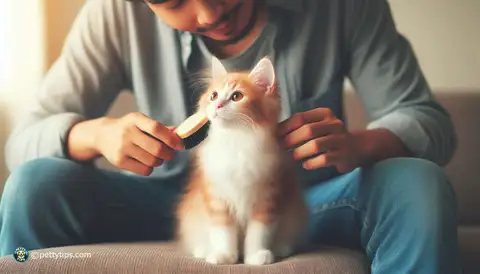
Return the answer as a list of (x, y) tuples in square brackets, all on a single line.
[(293, 5)]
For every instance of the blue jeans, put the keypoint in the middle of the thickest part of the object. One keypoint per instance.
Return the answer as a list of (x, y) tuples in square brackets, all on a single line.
[(401, 212)]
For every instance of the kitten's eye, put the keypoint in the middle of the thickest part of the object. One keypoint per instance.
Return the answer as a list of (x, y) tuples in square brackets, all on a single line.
[(237, 96), (214, 96)]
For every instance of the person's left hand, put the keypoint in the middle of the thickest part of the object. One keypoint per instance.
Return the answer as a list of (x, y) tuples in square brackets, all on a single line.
[(323, 138)]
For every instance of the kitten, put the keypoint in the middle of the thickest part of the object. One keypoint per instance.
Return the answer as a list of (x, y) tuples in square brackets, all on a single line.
[(243, 197)]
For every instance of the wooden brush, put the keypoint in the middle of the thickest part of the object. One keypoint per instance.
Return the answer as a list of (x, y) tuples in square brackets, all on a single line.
[(193, 130)]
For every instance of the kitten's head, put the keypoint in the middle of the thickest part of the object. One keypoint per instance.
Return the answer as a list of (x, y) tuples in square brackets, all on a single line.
[(242, 99)]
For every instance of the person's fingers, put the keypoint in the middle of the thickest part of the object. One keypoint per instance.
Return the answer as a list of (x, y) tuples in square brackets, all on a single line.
[(153, 146), (323, 160), (158, 131), (311, 131), (302, 118), (139, 154), (135, 166), (316, 146)]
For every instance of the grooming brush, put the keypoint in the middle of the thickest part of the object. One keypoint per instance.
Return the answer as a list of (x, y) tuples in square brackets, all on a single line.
[(193, 130)]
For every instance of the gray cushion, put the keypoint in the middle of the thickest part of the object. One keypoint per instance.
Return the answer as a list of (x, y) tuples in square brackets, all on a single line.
[(165, 258), (469, 237)]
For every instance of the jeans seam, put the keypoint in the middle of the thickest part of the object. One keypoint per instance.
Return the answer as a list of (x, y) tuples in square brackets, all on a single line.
[(345, 202), (365, 226)]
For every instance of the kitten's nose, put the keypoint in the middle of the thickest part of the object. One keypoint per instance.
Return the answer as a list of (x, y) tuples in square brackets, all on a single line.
[(219, 106)]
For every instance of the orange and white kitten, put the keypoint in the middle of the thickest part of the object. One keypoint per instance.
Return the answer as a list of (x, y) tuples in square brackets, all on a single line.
[(243, 197)]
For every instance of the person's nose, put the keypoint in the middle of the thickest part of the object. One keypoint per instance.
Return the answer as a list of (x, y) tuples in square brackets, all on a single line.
[(208, 12)]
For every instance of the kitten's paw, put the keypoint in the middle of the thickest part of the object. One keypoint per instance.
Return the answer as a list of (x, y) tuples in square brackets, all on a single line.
[(222, 258), (260, 257), (200, 253), (283, 251)]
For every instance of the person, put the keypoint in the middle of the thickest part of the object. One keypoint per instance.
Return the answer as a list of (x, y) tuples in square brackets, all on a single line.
[(381, 189)]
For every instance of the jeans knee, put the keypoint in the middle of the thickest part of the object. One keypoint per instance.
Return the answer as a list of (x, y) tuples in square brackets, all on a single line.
[(410, 212), (415, 186), (38, 182)]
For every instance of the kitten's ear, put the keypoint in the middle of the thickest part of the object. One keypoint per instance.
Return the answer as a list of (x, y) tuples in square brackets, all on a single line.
[(263, 75), (218, 70)]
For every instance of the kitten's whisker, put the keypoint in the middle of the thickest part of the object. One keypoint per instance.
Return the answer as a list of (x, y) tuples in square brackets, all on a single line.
[(198, 82), (246, 120)]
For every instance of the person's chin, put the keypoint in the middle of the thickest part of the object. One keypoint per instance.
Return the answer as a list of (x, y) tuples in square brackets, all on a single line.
[(220, 37)]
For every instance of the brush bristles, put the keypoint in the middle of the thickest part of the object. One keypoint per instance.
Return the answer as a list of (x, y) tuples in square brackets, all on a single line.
[(196, 138)]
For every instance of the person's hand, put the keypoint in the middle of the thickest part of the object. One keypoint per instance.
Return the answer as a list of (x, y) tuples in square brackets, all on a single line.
[(136, 143), (322, 140)]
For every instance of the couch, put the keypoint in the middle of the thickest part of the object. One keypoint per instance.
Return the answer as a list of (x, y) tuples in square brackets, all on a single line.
[(165, 258)]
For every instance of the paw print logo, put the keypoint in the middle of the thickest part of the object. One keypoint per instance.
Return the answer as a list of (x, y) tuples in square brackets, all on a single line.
[(20, 254)]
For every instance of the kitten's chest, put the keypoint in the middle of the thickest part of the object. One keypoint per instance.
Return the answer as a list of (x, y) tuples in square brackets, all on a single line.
[(236, 167), (240, 160)]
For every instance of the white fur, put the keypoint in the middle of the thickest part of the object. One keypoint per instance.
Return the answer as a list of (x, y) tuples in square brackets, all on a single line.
[(258, 236), (260, 257), (237, 161), (224, 245), (258, 240)]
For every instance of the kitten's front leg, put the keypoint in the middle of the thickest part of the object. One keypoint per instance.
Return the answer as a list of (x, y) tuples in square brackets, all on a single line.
[(258, 240), (223, 235)]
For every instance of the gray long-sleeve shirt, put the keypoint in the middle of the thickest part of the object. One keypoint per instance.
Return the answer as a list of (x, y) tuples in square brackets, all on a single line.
[(116, 45)]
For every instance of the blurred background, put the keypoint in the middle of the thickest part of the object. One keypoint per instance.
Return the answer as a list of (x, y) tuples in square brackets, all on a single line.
[(444, 34)]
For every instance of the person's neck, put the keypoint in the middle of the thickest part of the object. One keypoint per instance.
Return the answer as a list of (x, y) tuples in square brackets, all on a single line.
[(225, 51)]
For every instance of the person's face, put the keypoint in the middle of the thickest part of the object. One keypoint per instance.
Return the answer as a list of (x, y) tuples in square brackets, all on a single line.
[(220, 20)]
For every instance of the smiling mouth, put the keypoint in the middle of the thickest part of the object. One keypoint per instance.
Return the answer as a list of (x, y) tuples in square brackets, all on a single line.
[(225, 20), (241, 34)]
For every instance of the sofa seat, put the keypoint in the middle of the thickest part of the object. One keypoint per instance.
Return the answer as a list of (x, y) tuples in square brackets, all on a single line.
[(166, 258)]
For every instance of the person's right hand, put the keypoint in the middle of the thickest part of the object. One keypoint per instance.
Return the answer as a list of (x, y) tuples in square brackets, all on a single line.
[(136, 143)]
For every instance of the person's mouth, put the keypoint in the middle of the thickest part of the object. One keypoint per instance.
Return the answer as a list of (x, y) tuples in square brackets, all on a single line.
[(226, 28), (226, 24)]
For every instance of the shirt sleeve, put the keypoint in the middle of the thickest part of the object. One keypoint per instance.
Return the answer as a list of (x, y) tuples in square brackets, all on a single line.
[(386, 75), (80, 85)]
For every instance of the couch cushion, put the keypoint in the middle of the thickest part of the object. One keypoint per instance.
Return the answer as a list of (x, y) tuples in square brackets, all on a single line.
[(469, 237), (165, 258)]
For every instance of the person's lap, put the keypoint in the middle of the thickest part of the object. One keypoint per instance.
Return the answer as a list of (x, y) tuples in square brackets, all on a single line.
[(401, 212), (61, 202), (354, 210)]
